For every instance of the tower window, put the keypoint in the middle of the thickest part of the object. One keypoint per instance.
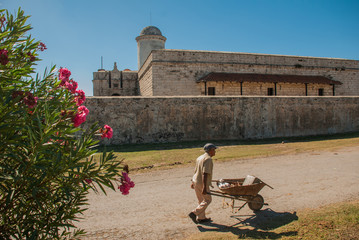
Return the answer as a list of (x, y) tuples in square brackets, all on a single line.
[(211, 91), (115, 85), (320, 92)]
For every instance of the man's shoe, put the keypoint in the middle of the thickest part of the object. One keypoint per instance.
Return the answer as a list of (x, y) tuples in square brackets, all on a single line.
[(193, 217), (205, 220)]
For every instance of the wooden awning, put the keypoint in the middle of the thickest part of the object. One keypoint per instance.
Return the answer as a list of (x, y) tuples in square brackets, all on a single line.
[(271, 78)]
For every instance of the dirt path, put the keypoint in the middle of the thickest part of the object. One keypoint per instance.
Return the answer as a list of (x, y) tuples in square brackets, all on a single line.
[(157, 207)]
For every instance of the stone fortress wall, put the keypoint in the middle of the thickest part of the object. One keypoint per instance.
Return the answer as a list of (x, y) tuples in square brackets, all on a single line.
[(175, 72), (172, 119), (164, 101)]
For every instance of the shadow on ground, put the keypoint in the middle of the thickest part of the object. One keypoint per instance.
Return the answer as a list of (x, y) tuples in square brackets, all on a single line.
[(256, 226)]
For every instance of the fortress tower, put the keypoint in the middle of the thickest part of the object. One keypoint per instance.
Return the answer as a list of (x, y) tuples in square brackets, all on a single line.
[(150, 39)]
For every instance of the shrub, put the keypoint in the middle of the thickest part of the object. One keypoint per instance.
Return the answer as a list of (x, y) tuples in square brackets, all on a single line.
[(46, 158)]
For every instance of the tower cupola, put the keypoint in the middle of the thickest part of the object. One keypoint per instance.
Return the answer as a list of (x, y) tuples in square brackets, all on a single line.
[(150, 39)]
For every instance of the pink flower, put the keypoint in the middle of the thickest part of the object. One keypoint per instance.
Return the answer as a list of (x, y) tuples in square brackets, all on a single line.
[(3, 57), (126, 184), (32, 57), (78, 120), (80, 97), (106, 132), (63, 82), (71, 85), (41, 47), (26, 97), (126, 177), (80, 116), (64, 75), (88, 180), (30, 100), (124, 188)]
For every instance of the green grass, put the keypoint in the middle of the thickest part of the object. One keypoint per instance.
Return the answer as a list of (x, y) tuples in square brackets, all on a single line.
[(331, 222), (166, 155), (337, 221)]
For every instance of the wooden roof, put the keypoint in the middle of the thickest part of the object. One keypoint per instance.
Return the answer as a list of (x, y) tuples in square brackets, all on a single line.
[(272, 78)]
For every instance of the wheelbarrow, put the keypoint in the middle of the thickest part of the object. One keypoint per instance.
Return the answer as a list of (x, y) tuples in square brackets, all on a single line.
[(241, 189)]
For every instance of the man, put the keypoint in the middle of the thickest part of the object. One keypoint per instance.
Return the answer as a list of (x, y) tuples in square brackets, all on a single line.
[(201, 181)]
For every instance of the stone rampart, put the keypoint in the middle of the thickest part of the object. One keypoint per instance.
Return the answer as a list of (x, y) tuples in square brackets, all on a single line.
[(169, 119)]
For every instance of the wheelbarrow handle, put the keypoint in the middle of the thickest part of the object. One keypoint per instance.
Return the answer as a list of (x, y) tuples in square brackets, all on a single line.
[(267, 185)]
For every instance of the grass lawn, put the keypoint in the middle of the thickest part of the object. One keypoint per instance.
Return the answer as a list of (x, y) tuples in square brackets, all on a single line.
[(166, 155)]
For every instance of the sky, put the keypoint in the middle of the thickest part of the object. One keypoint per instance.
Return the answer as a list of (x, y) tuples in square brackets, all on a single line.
[(78, 33)]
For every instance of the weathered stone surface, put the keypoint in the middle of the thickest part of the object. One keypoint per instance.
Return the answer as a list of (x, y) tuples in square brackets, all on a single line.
[(171, 119), (175, 73), (115, 83)]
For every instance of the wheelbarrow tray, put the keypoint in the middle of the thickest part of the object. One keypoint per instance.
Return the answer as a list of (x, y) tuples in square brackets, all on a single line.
[(237, 189)]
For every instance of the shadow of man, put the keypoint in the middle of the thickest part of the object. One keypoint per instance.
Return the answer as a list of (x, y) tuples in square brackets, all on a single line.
[(268, 219), (257, 225)]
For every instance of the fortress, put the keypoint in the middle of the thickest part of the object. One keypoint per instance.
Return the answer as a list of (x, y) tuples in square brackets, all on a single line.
[(180, 95)]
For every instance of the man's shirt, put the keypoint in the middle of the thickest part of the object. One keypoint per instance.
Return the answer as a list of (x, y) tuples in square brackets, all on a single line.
[(204, 164)]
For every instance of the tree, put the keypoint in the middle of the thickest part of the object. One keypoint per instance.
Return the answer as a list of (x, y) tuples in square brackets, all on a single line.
[(47, 164)]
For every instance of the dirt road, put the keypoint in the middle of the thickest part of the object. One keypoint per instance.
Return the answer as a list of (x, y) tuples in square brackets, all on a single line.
[(158, 206)]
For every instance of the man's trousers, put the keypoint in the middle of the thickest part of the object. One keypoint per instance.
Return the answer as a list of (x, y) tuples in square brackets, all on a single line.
[(203, 201)]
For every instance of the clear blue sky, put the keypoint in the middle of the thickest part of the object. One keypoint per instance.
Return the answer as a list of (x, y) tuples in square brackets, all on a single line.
[(78, 32)]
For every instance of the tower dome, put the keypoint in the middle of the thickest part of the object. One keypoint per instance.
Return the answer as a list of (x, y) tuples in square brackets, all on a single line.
[(150, 39), (150, 30)]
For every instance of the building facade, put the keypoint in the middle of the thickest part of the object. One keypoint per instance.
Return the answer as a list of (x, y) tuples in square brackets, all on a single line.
[(165, 72)]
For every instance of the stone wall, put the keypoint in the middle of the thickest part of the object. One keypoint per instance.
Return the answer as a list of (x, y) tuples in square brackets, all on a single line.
[(170, 119), (145, 82), (115, 82), (175, 72)]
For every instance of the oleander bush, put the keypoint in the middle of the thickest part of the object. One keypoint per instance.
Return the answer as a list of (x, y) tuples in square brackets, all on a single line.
[(46, 158)]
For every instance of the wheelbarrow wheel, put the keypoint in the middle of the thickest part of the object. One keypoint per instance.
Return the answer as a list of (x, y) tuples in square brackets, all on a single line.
[(256, 203)]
